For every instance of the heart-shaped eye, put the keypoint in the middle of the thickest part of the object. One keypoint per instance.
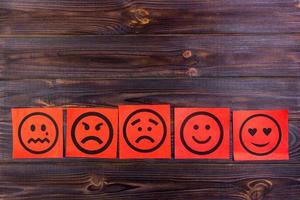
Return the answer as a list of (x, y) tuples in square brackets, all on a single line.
[(252, 131), (267, 131)]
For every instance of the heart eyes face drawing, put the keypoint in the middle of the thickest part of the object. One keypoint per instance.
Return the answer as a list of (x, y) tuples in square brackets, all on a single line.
[(201, 133), (144, 130), (38, 133), (260, 134), (92, 133)]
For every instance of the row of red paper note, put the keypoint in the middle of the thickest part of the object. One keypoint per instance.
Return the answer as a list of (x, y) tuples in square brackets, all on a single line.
[(144, 131)]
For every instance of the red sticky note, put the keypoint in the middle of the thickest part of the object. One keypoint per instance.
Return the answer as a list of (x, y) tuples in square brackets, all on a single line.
[(37, 132), (144, 131), (202, 133), (260, 135), (92, 132)]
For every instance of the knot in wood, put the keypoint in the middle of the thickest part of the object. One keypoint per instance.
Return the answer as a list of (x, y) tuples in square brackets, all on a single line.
[(141, 17), (96, 183), (192, 72), (187, 54), (258, 189)]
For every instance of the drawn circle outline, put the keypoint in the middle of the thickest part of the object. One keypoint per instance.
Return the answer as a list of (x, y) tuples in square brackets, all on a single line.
[(184, 124), (20, 130), (75, 123), (279, 132), (153, 148)]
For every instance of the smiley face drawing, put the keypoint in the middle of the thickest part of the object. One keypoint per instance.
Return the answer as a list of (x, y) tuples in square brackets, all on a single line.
[(38, 133), (201, 133), (92, 133), (144, 130), (260, 134)]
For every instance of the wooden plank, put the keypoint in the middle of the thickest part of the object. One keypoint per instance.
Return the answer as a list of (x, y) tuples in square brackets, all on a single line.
[(150, 56), (148, 180), (236, 93), (95, 17)]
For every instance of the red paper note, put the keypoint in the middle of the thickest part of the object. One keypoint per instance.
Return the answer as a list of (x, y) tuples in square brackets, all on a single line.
[(260, 135), (92, 132), (37, 132), (144, 131), (202, 133)]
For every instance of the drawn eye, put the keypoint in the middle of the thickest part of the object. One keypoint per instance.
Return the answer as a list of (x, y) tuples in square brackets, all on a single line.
[(252, 131), (196, 127), (207, 127), (149, 128), (43, 127), (140, 129), (267, 131), (32, 127), (98, 126), (86, 126)]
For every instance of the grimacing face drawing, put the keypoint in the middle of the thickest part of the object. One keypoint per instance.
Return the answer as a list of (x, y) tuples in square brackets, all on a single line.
[(258, 138), (38, 133), (201, 133), (92, 133), (144, 130)]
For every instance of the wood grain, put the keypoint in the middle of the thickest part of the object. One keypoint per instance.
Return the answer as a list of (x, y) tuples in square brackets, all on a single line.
[(150, 56), (98, 17), (102, 53), (148, 180), (236, 93)]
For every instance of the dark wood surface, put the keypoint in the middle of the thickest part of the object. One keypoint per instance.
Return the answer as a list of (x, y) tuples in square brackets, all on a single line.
[(52, 17), (151, 56), (149, 180), (207, 53)]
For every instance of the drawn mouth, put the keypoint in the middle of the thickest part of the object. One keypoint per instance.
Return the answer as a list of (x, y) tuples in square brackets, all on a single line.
[(144, 137), (201, 142), (38, 140), (94, 138), (260, 145)]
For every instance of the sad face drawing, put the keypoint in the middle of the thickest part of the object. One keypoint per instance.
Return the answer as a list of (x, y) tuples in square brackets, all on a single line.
[(38, 133), (92, 133), (144, 130)]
